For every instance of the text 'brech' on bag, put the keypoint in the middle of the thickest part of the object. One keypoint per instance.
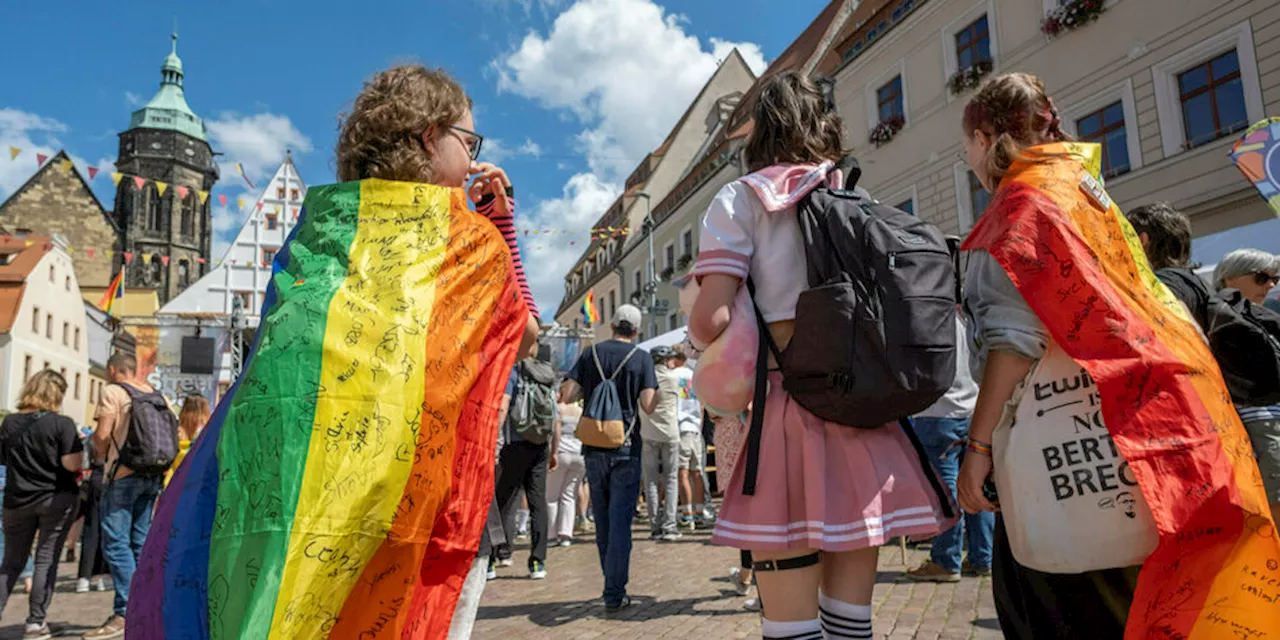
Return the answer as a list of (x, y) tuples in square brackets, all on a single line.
[(601, 425)]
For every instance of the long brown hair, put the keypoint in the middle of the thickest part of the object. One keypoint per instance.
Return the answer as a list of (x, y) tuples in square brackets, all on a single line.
[(382, 136), (195, 413), (795, 122), (1015, 111), (43, 392)]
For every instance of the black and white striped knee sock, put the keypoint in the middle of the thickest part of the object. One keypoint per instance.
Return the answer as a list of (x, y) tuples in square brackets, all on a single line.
[(797, 630), (842, 620)]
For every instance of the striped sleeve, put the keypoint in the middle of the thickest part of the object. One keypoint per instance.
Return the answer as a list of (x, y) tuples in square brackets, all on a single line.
[(726, 243), (506, 224)]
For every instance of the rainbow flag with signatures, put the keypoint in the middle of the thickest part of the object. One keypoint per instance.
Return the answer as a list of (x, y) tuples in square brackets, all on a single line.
[(341, 486), (1216, 570)]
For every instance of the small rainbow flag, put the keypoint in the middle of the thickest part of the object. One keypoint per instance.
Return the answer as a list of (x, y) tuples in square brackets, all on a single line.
[(589, 308), (113, 292), (1081, 268), (341, 486)]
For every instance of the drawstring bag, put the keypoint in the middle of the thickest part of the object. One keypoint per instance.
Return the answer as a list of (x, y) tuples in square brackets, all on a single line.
[(1069, 500)]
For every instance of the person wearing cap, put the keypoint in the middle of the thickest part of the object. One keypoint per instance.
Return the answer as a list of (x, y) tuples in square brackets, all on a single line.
[(661, 457), (614, 474)]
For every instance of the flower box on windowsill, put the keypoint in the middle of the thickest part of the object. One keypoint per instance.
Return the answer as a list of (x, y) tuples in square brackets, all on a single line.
[(666, 274), (969, 77), (1071, 16), (684, 262), (886, 130)]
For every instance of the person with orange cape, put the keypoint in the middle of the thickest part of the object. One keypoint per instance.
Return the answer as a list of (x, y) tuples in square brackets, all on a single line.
[(1069, 315)]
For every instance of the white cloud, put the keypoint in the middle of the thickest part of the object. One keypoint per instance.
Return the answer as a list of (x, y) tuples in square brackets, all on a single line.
[(750, 52), (625, 69), (258, 142), (226, 224), (548, 258), (32, 135), (496, 151), (133, 99)]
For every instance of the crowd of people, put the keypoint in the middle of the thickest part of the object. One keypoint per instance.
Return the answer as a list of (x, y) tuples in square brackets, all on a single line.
[(64, 485), (1061, 297)]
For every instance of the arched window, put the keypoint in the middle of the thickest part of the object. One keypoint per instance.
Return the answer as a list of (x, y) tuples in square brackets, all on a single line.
[(188, 217), (155, 211)]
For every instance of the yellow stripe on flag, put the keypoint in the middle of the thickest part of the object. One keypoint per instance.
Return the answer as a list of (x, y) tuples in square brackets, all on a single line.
[(353, 424)]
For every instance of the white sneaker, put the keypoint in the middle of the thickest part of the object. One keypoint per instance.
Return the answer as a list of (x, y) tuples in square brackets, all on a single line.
[(100, 585), (751, 604), (564, 542), (505, 562), (671, 537), (735, 576), (82, 585)]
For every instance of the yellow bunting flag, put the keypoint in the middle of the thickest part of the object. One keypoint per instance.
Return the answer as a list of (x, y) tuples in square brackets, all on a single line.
[(161, 186), (204, 196), (115, 177), (13, 152), (240, 203), (66, 165), (146, 258)]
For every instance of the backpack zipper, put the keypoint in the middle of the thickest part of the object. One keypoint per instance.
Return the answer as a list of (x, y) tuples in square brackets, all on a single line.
[(893, 260)]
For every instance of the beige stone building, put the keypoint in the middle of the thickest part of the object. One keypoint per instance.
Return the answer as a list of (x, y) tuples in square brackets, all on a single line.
[(675, 184), (1166, 86)]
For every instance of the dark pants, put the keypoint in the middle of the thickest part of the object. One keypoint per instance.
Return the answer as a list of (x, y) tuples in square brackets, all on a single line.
[(523, 465), (1043, 606), (614, 479), (937, 436), (126, 509), (50, 517), (92, 561)]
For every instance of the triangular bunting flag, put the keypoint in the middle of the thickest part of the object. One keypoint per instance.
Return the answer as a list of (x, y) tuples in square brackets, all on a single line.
[(29, 243), (66, 165), (161, 186), (240, 203), (90, 252), (146, 258), (128, 257), (40, 158), (295, 213), (164, 260), (204, 196), (182, 192), (200, 260), (139, 182), (111, 254), (115, 177), (222, 199), (259, 205), (13, 153), (93, 172)]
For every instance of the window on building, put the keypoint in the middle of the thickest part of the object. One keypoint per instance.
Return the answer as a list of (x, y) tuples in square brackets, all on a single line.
[(613, 303), (53, 276), (187, 224), (77, 396), (670, 254), (280, 193), (1212, 97), (686, 242), (184, 273), (673, 322), (639, 281), (155, 221), (66, 334), (908, 206), (26, 368), (63, 372), (48, 325), (35, 319), (978, 197), (889, 99), (77, 341), (268, 256), (1106, 127), (245, 298), (973, 44), (272, 221), (67, 284), (293, 194)]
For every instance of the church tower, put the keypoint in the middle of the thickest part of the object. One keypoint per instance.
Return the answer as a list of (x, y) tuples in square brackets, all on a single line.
[(164, 222)]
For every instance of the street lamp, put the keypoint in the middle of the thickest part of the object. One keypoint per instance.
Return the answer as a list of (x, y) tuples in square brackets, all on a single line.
[(651, 287)]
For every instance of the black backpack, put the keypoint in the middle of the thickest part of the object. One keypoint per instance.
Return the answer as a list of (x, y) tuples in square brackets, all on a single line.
[(875, 333), (533, 407), (1244, 337), (151, 445)]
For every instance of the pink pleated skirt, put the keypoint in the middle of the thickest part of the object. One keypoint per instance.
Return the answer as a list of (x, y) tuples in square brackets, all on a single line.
[(827, 487)]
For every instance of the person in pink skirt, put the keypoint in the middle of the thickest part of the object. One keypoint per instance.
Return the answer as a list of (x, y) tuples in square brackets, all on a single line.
[(827, 495)]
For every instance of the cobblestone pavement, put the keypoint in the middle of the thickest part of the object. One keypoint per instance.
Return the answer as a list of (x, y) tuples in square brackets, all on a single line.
[(681, 590)]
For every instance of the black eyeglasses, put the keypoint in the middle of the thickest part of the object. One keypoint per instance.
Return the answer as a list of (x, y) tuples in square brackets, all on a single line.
[(1263, 279), (474, 144)]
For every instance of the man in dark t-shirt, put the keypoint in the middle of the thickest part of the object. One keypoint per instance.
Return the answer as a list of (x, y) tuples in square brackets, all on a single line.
[(613, 475)]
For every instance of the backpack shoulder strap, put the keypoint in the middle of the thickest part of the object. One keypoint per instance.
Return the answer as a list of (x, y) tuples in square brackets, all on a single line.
[(595, 355), (756, 430), (623, 363)]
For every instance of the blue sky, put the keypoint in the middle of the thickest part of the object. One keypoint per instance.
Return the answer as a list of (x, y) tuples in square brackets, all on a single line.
[(268, 75), (570, 94)]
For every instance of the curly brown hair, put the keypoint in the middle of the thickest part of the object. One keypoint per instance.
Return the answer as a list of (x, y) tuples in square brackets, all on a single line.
[(1015, 110), (381, 137), (794, 123)]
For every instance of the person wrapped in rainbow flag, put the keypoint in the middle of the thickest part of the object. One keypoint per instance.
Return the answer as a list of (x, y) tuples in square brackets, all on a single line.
[(341, 486), (1129, 499)]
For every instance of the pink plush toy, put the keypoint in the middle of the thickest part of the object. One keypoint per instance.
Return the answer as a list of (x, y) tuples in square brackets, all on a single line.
[(725, 377)]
